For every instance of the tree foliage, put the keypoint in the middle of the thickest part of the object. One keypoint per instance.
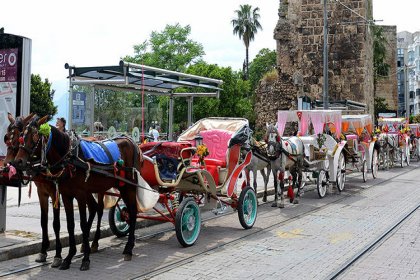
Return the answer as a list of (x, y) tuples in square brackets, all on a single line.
[(42, 97), (380, 67), (264, 62), (246, 25), (170, 49), (380, 105)]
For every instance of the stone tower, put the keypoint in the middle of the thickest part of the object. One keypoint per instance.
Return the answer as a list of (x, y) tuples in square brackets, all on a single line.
[(299, 36)]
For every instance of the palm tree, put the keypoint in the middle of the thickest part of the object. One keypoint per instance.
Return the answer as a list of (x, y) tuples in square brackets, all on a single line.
[(246, 25)]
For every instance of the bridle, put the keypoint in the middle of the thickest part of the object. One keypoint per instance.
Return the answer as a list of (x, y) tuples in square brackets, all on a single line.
[(273, 141)]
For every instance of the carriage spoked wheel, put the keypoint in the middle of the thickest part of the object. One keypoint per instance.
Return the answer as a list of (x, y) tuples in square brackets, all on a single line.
[(118, 219), (341, 173), (247, 207), (322, 183), (364, 171), (187, 222), (375, 164)]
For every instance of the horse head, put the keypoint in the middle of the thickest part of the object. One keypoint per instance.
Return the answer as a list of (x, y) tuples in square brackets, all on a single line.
[(30, 144), (273, 140), (11, 138)]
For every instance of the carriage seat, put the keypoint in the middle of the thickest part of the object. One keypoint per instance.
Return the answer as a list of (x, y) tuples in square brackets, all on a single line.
[(217, 141), (168, 156)]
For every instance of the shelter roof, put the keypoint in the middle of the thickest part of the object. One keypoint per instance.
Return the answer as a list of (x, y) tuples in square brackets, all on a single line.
[(134, 77)]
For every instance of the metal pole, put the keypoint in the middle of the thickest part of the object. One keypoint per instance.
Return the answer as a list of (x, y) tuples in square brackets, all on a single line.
[(406, 93), (190, 107), (70, 116), (325, 96), (171, 117)]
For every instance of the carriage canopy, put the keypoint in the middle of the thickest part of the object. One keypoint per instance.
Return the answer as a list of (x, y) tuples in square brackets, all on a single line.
[(318, 118), (357, 123), (393, 124)]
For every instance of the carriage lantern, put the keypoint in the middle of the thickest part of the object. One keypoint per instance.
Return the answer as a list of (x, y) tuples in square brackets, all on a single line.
[(198, 140)]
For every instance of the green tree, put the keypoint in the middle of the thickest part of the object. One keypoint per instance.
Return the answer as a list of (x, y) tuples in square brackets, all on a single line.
[(264, 61), (42, 97), (380, 67), (232, 102), (380, 105), (246, 25), (170, 49)]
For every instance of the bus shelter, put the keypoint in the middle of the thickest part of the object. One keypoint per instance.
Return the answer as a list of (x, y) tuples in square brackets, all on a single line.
[(141, 79)]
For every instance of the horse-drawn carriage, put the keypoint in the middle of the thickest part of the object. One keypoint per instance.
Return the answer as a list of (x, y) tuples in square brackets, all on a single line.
[(393, 142), (198, 172), (360, 152), (323, 160), (414, 144)]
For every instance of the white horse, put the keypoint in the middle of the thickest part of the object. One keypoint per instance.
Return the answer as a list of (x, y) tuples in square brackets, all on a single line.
[(388, 147), (285, 155), (261, 162)]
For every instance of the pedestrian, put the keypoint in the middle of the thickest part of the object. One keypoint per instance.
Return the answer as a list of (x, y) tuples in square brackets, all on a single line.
[(61, 124), (155, 133)]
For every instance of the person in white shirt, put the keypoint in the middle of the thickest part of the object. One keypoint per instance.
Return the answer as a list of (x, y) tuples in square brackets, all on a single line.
[(155, 133)]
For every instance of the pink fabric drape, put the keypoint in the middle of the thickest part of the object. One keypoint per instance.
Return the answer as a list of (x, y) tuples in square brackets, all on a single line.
[(304, 123), (337, 122), (281, 121), (318, 123)]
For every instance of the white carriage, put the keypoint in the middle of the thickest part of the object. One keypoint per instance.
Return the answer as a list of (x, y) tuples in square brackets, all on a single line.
[(325, 163), (396, 132), (360, 152), (414, 143)]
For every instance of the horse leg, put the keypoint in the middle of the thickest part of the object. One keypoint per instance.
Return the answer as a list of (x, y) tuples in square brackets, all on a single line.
[(295, 184), (84, 225), (275, 189), (43, 203), (93, 209), (129, 198), (58, 247), (100, 210), (68, 206), (265, 177), (281, 178), (300, 189)]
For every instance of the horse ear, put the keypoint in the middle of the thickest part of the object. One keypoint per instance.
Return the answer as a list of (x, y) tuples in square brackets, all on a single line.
[(10, 117), (28, 118), (43, 120)]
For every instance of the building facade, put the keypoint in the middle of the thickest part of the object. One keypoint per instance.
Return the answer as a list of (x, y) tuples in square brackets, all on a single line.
[(408, 73)]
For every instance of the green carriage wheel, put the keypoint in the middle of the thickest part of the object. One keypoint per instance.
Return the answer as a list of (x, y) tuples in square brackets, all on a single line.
[(247, 207), (117, 218), (187, 222)]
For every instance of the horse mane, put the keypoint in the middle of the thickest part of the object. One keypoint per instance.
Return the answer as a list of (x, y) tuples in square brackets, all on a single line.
[(60, 140)]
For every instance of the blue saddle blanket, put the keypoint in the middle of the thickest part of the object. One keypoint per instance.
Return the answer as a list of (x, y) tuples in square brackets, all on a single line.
[(94, 151)]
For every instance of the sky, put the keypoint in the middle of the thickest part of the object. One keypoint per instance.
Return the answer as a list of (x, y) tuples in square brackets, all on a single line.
[(96, 33)]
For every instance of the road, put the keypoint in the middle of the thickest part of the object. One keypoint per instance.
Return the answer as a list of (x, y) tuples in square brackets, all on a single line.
[(311, 240)]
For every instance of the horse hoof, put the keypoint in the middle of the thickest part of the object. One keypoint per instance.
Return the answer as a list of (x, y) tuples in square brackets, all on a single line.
[(127, 257), (295, 201), (85, 265), (291, 200), (281, 205), (94, 248), (274, 204), (56, 262), (65, 265), (264, 199), (41, 258)]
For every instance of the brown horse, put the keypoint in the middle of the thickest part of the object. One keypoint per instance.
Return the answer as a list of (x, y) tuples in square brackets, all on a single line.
[(45, 190), (78, 178)]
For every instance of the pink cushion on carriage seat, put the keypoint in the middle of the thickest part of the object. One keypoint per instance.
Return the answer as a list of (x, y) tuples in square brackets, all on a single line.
[(351, 136), (217, 141)]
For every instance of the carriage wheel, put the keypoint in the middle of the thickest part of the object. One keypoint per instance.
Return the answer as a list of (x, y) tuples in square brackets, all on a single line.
[(187, 222), (364, 171), (341, 173), (118, 219), (321, 184), (375, 164), (247, 207)]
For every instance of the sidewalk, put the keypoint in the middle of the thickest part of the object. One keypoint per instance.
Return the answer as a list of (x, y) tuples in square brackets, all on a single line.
[(23, 235)]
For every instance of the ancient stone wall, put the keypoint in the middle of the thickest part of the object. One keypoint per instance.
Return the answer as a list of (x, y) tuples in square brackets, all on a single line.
[(386, 87), (299, 36)]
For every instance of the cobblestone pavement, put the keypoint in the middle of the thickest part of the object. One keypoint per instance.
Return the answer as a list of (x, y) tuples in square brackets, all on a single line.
[(310, 240)]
